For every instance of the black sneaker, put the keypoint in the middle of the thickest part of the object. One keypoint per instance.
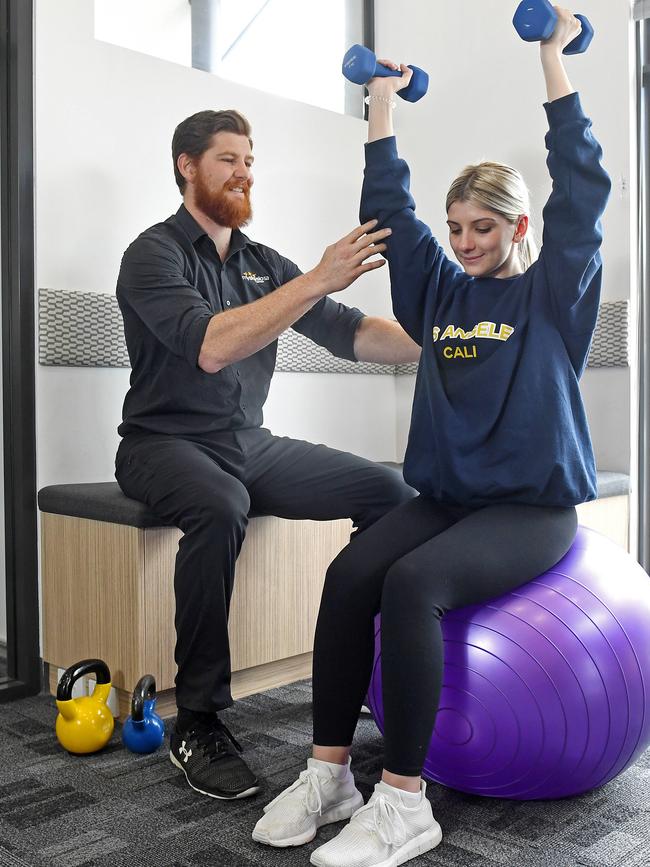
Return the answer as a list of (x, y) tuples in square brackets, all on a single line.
[(208, 755)]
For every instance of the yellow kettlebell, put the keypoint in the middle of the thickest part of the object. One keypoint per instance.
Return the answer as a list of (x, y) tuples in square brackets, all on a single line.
[(84, 725)]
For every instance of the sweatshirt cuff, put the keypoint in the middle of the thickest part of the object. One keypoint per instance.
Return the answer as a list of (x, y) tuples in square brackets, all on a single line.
[(381, 151), (565, 108)]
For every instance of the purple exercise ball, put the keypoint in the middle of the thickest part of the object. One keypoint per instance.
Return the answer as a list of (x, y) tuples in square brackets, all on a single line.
[(546, 690)]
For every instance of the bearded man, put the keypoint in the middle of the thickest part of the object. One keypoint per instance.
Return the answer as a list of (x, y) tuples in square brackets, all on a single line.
[(203, 306)]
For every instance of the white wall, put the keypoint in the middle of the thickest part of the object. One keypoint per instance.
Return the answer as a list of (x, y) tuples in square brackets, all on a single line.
[(104, 120), (485, 101)]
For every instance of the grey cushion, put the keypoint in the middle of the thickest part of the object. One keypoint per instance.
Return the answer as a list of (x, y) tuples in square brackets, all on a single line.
[(99, 501), (612, 484), (104, 501)]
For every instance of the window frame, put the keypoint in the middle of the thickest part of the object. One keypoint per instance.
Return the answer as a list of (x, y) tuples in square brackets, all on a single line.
[(642, 44), (24, 676)]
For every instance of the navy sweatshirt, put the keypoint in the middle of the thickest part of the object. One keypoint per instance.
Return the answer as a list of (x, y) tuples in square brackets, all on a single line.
[(497, 413)]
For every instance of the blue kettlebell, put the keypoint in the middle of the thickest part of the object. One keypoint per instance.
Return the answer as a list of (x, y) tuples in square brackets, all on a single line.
[(143, 731)]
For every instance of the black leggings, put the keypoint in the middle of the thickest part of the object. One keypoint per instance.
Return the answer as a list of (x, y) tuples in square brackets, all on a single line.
[(413, 565)]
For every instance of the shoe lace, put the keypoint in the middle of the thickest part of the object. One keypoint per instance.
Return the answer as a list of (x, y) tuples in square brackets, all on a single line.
[(386, 819), (217, 741), (312, 796)]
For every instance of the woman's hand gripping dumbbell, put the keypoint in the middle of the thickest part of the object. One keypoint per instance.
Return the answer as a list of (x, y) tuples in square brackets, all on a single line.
[(360, 65), (536, 20)]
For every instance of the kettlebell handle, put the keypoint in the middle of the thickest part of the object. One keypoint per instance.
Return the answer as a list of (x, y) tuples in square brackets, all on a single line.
[(80, 669), (145, 689)]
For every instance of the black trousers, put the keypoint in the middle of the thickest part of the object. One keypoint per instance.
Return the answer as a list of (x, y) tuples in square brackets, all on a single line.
[(207, 486), (413, 565)]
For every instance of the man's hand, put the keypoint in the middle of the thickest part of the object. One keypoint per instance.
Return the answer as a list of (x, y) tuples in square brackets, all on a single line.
[(236, 334), (345, 261)]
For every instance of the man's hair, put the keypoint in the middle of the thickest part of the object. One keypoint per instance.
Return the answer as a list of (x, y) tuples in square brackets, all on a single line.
[(193, 136)]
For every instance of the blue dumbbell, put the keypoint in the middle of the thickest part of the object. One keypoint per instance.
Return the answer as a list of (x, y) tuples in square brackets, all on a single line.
[(143, 731), (360, 65), (535, 20)]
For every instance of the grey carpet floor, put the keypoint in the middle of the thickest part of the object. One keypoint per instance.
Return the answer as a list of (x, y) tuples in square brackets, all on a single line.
[(115, 808)]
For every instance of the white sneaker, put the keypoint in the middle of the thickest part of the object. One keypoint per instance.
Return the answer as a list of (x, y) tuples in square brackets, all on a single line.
[(384, 833), (322, 794)]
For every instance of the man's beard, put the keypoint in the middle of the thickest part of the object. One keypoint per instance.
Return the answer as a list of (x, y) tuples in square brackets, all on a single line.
[(222, 208)]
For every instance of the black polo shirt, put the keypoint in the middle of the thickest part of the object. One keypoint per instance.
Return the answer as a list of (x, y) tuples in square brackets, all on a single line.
[(171, 283)]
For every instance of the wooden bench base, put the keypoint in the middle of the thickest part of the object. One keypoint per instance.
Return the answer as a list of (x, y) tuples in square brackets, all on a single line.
[(108, 593)]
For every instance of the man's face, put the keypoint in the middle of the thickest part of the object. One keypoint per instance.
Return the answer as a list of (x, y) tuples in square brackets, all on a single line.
[(222, 180)]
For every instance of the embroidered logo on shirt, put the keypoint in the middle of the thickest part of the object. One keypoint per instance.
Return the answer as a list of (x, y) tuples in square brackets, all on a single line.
[(487, 330), (248, 275), (460, 351), (481, 329)]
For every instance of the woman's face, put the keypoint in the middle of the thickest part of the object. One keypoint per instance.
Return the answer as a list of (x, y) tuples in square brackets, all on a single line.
[(484, 242)]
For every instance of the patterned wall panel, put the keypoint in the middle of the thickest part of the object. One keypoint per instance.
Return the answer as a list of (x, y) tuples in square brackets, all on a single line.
[(611, 344), (80, 329), (84, 329)]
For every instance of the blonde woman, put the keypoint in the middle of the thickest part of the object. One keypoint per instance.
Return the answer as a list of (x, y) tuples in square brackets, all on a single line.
[(498, 450)]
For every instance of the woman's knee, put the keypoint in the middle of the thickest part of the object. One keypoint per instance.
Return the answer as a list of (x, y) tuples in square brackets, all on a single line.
[(410, 591), (348, 577)]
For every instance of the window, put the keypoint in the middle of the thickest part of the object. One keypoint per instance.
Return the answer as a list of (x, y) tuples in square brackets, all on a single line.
[(291, 48)]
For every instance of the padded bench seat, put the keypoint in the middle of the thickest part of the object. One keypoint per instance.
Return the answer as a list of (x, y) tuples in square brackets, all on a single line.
[(107, 583), (104, 501), (100, 501)]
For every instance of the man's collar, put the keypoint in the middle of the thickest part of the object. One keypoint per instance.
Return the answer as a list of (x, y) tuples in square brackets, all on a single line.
[(189, 224), (194, 231)]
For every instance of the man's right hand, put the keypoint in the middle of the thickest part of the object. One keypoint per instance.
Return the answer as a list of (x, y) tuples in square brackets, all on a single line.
[(244, 330), (345, 260)]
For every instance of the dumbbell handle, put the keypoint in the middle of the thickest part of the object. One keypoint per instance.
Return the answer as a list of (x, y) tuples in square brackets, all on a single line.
[(351, 59), (382, 71)]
